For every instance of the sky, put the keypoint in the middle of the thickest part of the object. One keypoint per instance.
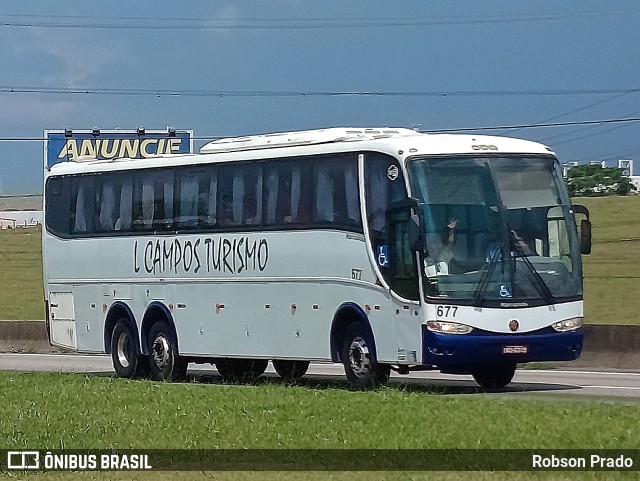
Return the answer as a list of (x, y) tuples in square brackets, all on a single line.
[(229, 68)]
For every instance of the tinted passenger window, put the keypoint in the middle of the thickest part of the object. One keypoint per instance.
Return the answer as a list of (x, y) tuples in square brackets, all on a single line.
[(336, 199), (292, 193)]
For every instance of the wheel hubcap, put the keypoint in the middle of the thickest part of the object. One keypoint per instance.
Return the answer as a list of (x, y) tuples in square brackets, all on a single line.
[(359, 358), (160, 350), (122, 350)]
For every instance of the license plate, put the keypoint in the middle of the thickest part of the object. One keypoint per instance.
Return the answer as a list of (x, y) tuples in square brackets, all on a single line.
[(515, 349)]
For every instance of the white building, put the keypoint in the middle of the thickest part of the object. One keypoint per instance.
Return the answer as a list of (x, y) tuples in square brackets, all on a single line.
[(11, 219), (627, 167)]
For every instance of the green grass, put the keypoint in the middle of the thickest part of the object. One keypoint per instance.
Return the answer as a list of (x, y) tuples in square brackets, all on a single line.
[(50, 411), (21, 287), (611, 271)]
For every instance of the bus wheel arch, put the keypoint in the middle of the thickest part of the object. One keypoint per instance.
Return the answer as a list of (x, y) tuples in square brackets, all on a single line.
[(123, 343), (346, 314), (118, 311), (353, 339), (160, 343)]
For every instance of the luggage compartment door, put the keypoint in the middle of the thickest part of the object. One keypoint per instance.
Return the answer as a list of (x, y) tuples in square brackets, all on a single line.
[(62, 320)]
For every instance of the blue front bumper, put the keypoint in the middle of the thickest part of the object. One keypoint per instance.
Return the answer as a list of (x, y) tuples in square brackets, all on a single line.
[(461, 351)]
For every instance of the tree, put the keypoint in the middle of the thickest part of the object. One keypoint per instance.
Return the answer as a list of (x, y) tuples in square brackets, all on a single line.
[(594, 180)]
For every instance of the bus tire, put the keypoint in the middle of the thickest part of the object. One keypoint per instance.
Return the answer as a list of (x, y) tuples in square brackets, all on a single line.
[(165, 364), (127, 362), (290, 370), (241, 370), (494, 377), (358, 357)]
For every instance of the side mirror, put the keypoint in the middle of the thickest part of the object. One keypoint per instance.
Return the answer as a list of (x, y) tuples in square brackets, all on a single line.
[(585, 236), (585, 229)]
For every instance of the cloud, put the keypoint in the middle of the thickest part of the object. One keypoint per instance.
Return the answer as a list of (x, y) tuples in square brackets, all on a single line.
[(52, 58), (80, 56), (33, 110), (227, 16)]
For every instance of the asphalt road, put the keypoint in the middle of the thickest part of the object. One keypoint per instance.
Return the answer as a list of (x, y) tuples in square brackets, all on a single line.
[(539, 382)]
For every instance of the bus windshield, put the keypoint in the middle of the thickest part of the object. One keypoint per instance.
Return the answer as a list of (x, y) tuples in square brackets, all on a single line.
[(499, 230)]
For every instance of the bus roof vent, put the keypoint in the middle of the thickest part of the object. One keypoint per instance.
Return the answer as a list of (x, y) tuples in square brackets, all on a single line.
[(300, 138)]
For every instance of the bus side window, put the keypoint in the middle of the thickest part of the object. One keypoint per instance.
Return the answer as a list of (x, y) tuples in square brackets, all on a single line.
[(240, 196), (163, 202), (324, 188), (58, 214), (207, 198), (252, 200), (337, 199), (273, 186), (82, 206), (106, 204), (123, 222), (287, 198), (187, 205)]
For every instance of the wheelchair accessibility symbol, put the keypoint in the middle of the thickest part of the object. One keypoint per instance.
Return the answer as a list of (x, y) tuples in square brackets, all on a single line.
[(505, 290), (383, 255)]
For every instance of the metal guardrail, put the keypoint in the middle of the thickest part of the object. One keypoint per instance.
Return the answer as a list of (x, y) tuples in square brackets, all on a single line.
[(605, 346)]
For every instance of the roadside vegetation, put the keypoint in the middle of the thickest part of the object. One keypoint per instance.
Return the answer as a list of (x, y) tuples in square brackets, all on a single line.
[(611, 274), (611, 271), (21, 286), (72, 411)]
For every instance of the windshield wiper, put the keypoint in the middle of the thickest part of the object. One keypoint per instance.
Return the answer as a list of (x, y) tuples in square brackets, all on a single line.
[(538, 283), (494, 255)]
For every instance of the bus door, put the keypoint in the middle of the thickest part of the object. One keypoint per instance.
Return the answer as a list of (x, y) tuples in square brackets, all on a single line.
[(404, 246)]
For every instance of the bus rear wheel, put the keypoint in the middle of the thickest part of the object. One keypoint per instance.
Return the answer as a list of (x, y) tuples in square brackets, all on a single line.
[(358, 357), (127, 362), (290, 370), (494, 377), (241, 370), (165, 364)]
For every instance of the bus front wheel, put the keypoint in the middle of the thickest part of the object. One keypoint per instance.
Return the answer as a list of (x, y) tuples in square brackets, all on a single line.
[(124, 352), (165, 363), (358, 357), (290, 370), (494, 377)]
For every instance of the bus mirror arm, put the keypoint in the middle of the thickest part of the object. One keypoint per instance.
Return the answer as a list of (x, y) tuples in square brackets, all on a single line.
[(411, 216), (417, 240), (580, 209)]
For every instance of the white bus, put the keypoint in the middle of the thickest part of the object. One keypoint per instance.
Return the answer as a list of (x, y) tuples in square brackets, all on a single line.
[(381, 249)]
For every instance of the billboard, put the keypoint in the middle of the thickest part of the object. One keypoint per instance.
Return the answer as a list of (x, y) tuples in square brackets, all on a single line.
[(77, 145)]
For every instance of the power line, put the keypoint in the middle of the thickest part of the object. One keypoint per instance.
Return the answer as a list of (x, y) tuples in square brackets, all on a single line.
[(8, 89), (580, 137), (533, 126), (621, 154), (430, 131), (148, 18), (575, 111), (119, 23)]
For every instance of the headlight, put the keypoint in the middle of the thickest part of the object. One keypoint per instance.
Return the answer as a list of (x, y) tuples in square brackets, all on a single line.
[(448, 327), (568, 324)]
